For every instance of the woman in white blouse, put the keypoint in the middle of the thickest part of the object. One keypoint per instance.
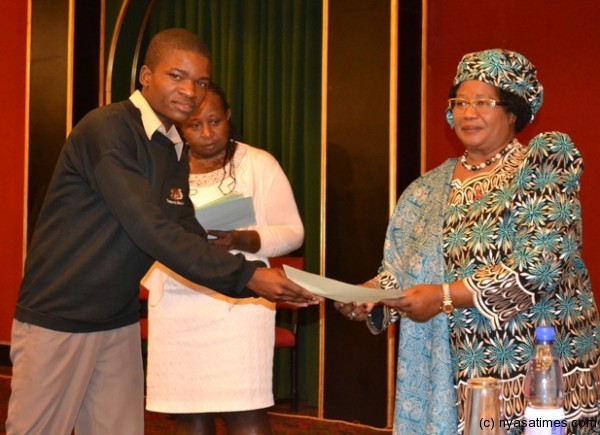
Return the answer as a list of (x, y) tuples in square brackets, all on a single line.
[(207, 353)]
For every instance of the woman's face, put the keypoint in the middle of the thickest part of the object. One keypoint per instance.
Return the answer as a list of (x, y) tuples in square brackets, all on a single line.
[(207, 130), (482, 134)]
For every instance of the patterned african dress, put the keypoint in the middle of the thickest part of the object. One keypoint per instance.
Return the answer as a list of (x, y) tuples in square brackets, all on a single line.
[(514, 237)]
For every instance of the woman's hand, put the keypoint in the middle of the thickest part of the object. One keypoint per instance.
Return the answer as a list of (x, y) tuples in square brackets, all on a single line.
[(354, 310), (243, 240), (419, 303)]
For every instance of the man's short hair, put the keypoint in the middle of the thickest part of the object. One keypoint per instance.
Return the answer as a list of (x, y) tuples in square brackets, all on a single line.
[(173, 39)]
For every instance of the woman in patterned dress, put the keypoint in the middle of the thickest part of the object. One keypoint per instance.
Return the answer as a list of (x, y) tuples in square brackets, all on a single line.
[(209, 354), (487, 247)]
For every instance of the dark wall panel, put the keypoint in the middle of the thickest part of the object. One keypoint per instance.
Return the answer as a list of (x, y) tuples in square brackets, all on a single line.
[(357, 200), (409, 93), (48, 95), (50, 81), (86, 68)]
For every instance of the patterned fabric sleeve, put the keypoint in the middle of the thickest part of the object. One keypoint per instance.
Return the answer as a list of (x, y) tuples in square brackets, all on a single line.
[(381, 317), (542, 229)]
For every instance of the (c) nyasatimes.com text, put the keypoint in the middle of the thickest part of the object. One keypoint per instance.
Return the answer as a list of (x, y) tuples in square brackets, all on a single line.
[(489, 423)]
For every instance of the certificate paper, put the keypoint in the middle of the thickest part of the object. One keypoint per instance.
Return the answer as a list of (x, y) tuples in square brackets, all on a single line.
[(227, 213), (337, 290)]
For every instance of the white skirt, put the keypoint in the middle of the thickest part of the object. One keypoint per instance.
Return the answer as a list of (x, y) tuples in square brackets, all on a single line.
[(208, 352)]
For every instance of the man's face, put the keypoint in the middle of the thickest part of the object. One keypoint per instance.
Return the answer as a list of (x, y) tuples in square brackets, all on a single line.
[(176, 86)]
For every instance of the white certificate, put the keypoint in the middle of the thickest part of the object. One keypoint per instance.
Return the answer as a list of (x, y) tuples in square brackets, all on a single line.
[(337, 290)]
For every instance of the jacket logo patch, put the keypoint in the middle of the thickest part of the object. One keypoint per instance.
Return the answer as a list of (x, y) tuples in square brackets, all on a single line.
[(175, 196)]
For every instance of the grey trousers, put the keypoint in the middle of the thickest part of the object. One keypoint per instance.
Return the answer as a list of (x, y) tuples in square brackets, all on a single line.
[(92, 382)]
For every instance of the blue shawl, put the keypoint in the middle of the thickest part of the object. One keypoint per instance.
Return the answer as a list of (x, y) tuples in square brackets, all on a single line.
[(425, 396)]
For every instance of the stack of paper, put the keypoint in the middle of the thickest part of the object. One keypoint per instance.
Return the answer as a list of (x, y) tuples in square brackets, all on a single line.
[(227, 213)]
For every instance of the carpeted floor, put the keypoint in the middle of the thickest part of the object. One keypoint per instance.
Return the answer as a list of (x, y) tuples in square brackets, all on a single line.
[(282, 424)]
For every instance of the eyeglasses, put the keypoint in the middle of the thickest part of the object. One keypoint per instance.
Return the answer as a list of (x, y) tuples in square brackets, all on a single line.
[(481, 105)]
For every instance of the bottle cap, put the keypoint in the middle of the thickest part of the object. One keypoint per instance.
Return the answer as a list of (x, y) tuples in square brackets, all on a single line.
[(544, 333)]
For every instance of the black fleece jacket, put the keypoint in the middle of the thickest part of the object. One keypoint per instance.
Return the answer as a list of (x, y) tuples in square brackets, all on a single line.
[(116, 202)]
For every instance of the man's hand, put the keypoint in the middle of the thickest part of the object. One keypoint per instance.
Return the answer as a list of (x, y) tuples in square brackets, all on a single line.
[(273, 285)]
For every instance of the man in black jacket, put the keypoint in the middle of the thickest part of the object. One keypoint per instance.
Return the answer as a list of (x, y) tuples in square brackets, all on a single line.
[(117, 201)]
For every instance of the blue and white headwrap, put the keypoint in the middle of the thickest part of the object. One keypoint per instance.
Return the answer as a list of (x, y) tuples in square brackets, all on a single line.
[(504, 69)]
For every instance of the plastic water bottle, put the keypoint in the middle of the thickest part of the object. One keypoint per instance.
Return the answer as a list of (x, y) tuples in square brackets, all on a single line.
[(543, 387)]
